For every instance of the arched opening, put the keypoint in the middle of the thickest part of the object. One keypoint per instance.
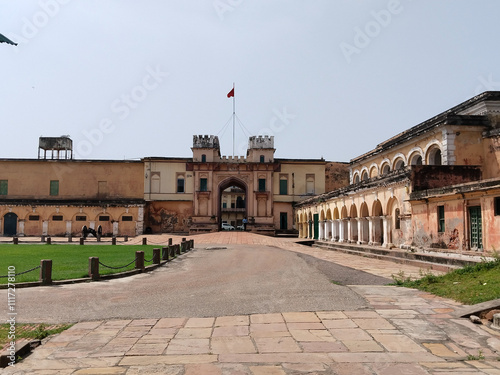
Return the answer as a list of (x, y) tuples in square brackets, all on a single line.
[(364, 176), (232, 202), (378, 229), (416, 160), (400, 164), (356, 178), (434, 157), (10, 224)]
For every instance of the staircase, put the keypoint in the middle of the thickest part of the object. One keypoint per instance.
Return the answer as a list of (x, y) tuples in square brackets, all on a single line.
[(444, 262)]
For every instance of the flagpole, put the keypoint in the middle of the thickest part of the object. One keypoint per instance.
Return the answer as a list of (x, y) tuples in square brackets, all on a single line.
[(234, 115)]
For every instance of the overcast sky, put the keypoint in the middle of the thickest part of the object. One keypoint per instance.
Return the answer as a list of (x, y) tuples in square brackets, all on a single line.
[(328, 78)]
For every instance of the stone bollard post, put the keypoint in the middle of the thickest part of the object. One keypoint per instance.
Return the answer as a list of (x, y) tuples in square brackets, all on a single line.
[(165, 253), (169, 242), (183, 239), (49, 241), (192, 244), (15, 240), (139, 260), (183, 246), (82, 241), (70, 238), (156, 256), (113, 241), (125, 239), (178, 249), (46, 271), (171, 248), (144, 241), (94, 268)]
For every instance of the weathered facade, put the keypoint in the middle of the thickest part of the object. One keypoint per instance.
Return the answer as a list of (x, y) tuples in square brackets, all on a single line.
[(58, 197), (197, 194), (436, 185)]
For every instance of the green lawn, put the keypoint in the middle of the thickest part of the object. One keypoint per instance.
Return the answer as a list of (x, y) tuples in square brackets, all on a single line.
[(68, 261), (469, 285)]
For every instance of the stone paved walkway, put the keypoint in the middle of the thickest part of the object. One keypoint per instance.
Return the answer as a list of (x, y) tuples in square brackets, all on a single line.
[(404, 332)]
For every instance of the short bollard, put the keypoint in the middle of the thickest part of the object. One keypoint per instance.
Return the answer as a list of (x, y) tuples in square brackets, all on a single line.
[(169, 242), (192, 244), (165, 253), (46, 271), (183, 239), (139, 260), (177, 249), (70, 238), (156, 256), (183, 247), (144, 241), (94, 268), (113, 241), (82, 241), (49, 241), (125, 239), (171, 249), (16, 240)]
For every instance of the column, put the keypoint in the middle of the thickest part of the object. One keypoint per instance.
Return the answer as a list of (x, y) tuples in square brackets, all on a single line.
[(45, 228), (361, 230), (370, 230), (115, 228), (21, 227), (387, 231), (68, 227), (341, 230), (321, 231), (332, 223)]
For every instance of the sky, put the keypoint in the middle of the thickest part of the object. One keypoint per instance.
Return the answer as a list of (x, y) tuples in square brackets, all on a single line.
[(331, 79)]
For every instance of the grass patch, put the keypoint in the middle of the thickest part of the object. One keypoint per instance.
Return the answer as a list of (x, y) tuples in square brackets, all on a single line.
[(30, 331), (68, 261), (468, 285)]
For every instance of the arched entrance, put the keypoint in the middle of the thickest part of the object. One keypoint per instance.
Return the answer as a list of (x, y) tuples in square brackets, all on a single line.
[(10, 224), (232, 204)]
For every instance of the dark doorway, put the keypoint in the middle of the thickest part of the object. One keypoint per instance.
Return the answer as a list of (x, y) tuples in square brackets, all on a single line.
[(283, 221), (476, 228), (10, 224), (316, 226)]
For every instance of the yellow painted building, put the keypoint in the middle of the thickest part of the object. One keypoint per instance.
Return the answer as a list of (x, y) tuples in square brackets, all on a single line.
[(435, 185)]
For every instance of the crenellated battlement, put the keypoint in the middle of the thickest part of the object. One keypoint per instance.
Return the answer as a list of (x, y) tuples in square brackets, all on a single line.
[(260, 142), (206, 141)]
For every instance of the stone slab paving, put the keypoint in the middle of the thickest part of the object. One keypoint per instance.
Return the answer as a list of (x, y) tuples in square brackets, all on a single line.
[(405, 332)]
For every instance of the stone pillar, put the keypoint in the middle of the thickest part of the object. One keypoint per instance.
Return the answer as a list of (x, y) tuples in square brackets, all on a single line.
[(21, 227), (300, 229), (370, 230), (321, 231), (341, 230), (332, 223), (45, 228), (68, 228), (377, 231), (361, 230), (387, 231), (115, 228)]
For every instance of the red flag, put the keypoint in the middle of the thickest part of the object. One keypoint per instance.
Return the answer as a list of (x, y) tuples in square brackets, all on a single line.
[(230, 93)]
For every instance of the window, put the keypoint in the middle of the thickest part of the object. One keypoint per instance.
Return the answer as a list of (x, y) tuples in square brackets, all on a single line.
[(356, 179), (283, 186), (34, 217), (364, 176), (127, 218), (203, 184), (262, 184), (103, 218), (57, 218), (400, 164), (397, 219), (81, 218), (4, 187), (440, 219), (180, 184), (497, 206), (54, 187), (386, 169), (262, 160), (310, 184), (203, 158), (224, 205)]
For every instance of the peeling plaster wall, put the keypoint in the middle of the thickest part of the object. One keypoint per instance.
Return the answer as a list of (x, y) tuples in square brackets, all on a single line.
[(168, 217)]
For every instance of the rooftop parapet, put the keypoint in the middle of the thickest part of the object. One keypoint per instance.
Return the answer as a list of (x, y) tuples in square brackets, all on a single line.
[(260, 142), (206, 141)]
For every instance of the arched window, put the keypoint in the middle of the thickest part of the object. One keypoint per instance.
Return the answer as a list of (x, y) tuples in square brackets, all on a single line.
[(416, 160), (400, 164), (435, 157), (356, 179), (397, 219), (203, 158), (262, 160), (364, 176), (386, 169)]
